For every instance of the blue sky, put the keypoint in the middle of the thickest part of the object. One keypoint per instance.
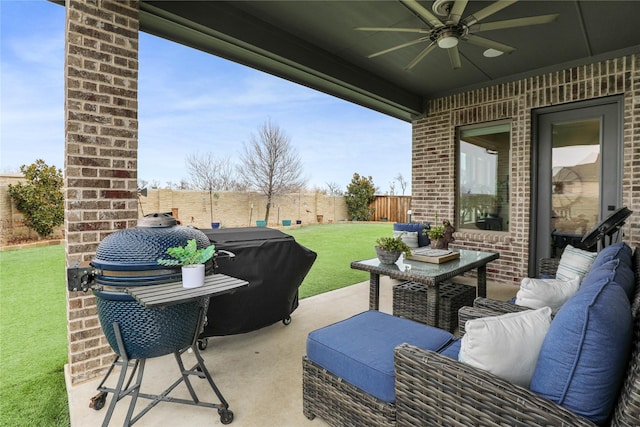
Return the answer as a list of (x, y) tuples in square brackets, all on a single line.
[(189, 102)]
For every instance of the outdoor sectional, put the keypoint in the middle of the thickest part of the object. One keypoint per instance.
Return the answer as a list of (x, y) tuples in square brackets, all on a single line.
[(379, 370)]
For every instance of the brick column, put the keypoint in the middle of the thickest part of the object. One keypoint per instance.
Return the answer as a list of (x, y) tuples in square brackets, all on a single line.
[(101, 152)]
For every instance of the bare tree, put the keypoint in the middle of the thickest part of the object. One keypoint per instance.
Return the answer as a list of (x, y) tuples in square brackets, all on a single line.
[(402, 182), (334, 189), (271, 165), (210, 174), (392, 188)]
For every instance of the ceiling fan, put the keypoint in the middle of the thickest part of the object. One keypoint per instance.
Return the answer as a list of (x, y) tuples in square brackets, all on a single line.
[(445, 33)]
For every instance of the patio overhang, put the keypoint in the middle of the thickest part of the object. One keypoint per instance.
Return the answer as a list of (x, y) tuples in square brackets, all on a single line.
[(314, 44)]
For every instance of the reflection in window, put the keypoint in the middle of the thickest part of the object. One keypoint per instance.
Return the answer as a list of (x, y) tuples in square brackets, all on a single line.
[(575, 192), (483, 177)]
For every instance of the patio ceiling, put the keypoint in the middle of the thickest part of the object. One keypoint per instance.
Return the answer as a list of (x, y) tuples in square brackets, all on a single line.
[(314, 43)]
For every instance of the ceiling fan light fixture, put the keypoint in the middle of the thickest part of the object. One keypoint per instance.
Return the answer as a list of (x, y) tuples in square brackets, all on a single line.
[(447, 41), (492, 53)]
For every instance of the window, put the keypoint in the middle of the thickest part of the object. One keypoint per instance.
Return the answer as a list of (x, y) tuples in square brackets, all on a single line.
[(484, 159)]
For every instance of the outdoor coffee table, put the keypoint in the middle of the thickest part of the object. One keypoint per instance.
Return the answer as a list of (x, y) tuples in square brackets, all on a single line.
[(427, 273)]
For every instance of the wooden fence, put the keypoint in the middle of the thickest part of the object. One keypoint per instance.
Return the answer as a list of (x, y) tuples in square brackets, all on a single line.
[(391, 208)]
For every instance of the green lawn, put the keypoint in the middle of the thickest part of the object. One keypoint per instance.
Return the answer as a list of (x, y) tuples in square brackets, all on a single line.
[(337, 245), (33, 325), (33, 337)]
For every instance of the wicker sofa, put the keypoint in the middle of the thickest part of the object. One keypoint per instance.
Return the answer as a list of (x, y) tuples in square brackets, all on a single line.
[(433, 388)]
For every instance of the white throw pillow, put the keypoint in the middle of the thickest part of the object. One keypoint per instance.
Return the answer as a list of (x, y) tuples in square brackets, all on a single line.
[(507, 345), (409, 237), (574, 262), (538, 293)]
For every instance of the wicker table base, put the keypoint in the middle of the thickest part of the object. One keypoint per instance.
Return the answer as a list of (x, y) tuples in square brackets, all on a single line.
[(410, 301)]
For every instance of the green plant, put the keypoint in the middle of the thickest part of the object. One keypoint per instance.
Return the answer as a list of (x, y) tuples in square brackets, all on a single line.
[(393, 244), (187, 255), (41, 199), (360, 193), (436, 231)]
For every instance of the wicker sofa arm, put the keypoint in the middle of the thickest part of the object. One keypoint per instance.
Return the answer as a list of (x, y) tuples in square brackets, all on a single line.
[(432, 389), (501, 307)]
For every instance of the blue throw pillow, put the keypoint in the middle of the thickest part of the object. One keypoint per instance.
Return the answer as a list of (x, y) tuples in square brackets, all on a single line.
[(618, 250), (615, 271), (584, 355)]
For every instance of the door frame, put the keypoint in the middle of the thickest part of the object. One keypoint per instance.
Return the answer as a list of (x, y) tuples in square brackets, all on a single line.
[(617, 102)]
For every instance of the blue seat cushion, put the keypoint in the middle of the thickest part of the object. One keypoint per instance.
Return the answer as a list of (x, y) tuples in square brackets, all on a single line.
[(584, 355), (614, 270), (617, 250), (360, 349), (423, 239), (452, 350)]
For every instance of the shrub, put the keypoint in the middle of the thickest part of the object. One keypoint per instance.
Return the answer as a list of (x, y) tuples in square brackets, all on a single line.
[(41, 199), (360, 193)]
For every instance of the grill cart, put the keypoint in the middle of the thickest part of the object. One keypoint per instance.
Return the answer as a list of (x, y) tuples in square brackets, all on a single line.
[(273, 263), (145, 311)]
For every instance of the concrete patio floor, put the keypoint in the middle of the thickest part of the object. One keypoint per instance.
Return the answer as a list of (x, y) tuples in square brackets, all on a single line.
[(259, 373)]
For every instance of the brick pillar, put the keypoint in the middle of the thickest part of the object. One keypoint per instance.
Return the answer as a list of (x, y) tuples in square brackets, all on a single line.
[(101, 152)]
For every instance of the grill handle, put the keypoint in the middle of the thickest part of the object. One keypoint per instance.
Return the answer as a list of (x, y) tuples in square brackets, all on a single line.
[(81, 276)]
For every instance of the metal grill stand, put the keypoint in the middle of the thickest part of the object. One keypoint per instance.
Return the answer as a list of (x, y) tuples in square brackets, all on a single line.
[(123, 389)]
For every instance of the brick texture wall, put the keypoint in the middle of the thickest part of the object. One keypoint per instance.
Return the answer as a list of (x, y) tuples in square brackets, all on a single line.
[(101, 142), (433, 156)]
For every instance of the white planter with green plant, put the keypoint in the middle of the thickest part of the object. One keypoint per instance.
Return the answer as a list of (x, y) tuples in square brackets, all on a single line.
[(192, 261)]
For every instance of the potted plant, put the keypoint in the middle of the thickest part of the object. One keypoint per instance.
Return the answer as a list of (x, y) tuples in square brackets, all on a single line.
[(192, 261), (389, 249), (440, 234)]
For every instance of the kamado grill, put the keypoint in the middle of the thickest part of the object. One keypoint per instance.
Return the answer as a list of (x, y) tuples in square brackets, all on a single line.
[(145, 312)]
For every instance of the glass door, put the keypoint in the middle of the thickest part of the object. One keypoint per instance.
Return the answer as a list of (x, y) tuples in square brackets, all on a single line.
[(578, 177)]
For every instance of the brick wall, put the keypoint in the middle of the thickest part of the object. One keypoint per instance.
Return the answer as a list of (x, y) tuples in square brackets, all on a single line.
[(433, 156), (101, 142)]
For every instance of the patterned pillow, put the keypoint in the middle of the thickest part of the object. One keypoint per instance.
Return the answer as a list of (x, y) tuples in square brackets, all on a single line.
[(574, 263), (409, 237)]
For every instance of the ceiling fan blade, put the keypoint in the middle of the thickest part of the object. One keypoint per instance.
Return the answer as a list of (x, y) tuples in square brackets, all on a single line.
[(489, 44), (391, 49), (488, 11), (394, 30), (457, 10), (513, 23), (421, 55), (423, 13), (454, 57)]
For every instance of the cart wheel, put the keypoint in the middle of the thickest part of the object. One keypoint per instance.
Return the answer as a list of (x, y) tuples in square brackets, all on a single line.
[(226, 416), (202, 343), (286, 320), (97, 401)]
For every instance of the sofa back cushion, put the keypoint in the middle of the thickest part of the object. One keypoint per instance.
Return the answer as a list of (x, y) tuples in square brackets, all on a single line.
[(618, 250), (614, 270), (583, 358)]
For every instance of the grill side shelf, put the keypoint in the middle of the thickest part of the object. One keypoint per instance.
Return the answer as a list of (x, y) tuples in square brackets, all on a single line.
[(174, 293)]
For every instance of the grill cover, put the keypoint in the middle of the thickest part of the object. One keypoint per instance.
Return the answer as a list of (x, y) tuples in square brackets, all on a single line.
[(273, 263)]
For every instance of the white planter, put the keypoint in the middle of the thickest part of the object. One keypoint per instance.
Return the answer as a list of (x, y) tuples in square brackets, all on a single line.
[(192, 275)]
